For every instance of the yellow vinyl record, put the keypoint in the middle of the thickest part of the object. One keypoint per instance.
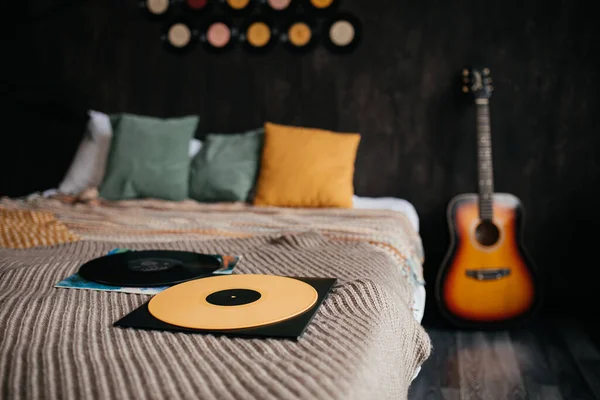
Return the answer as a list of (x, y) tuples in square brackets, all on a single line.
[(232, 302)]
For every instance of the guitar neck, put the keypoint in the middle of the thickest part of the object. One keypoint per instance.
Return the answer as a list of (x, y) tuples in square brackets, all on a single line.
[(484, 160)]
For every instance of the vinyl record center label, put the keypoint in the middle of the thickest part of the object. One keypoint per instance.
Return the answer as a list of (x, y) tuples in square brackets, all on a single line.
[(233, 297), (152, 264), (187, 304)]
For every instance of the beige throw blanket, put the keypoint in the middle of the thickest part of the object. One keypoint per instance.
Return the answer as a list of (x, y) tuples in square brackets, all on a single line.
[(363, 343)]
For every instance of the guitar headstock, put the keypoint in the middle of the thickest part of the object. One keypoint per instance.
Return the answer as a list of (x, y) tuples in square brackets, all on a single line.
[(478, 81)]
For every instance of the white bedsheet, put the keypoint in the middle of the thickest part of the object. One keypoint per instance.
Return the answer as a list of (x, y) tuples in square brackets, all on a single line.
[(389, 203)]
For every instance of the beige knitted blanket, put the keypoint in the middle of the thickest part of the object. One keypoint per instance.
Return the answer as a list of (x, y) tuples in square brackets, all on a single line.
[(363, 342)]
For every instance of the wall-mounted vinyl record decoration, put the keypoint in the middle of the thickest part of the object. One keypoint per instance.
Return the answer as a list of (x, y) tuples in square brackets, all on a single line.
[(342, 33), (278, 7), (321, 6), (258, 35), (239, 7), (179, 36), (218, 34), (300, 34), (156, 9), (198, 6)]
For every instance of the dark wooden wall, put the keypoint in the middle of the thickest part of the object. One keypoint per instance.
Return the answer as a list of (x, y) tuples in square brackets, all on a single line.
[(399, 90)]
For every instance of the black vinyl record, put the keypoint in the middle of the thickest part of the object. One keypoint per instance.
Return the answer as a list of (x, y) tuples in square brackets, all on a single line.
[(156, 9), (198, 6), (278, 7), (149, 268), (342, 33), (259, 34), (300, 34), (321, 7), (218, 34), (180, 36), (238, 7)]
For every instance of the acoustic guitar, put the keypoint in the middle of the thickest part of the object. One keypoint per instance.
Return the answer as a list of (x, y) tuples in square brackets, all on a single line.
[(487, 279)]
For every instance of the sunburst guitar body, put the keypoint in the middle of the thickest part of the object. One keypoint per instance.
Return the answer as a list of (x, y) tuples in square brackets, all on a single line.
[(487, 278)]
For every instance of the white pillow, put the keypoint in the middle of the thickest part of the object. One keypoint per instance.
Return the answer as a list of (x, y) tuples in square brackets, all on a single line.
[(195, 146), (89, 164)]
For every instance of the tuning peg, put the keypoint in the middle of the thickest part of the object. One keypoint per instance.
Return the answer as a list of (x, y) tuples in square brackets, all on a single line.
[(491, 88), (465, 89), (486, 71), (465, 79), (465, 72)]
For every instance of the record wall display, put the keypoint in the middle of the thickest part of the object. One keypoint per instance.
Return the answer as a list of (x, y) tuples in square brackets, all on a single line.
[(257, 25), (244, 305)]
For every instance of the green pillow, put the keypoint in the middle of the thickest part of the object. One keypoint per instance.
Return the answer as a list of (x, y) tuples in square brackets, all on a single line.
[(225, 168), (148, 158), (114, 120)]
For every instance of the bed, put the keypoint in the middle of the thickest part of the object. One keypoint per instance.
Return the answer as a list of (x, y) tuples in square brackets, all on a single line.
[(364, 342)]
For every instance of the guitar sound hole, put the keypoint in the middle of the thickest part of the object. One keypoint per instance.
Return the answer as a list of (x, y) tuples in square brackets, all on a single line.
[(486, 233)]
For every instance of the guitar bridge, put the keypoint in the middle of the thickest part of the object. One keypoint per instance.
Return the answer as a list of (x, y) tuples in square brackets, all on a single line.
[(488, 274)]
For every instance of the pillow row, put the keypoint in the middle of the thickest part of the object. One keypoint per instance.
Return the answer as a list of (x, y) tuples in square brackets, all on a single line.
[(131, 156)]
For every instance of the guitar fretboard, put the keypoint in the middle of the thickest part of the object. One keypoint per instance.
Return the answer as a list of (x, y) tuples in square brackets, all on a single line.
[(484, 160)]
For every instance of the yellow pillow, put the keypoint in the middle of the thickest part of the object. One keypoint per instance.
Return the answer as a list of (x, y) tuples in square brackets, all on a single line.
[(306, 167)]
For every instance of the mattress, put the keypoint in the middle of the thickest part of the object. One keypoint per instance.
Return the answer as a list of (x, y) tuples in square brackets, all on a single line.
[(365, 342)]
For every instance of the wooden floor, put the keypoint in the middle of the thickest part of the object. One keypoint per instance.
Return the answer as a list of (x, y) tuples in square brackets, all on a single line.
[(550, 359)]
